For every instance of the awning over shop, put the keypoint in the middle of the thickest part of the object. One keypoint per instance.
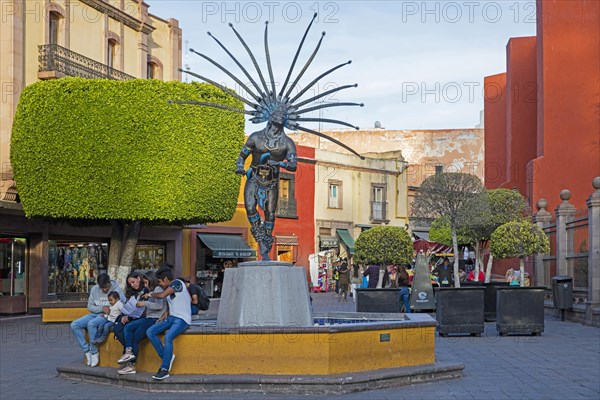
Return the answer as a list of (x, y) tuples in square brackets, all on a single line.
[(328, 242), (286, 240), (227, 246), (347, 239)]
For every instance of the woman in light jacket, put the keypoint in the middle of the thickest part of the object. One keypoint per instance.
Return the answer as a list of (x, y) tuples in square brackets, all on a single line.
[(135, 331)]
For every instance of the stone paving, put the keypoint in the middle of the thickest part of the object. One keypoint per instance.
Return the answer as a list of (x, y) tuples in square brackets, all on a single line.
[(564, 363)]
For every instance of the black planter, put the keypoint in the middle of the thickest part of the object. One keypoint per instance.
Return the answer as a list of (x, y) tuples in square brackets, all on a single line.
[(459, 310), (378, 300), (489, 299), (520, 310)]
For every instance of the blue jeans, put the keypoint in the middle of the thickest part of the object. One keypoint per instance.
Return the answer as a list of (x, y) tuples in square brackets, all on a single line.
[(404, 296), (91, 322), (195, 309), (119, 331), (135, 332), (174, 327)]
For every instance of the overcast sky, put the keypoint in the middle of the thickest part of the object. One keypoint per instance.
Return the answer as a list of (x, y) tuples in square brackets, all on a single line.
[(419, 64)]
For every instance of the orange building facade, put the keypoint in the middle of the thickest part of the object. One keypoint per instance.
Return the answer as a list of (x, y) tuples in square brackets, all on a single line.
[(542, 125)]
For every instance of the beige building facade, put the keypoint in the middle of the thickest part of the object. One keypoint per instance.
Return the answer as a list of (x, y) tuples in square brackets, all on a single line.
[(426, 152), (352, 195), (42, 39)]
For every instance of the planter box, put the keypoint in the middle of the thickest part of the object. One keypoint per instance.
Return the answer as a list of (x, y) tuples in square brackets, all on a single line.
[(489, 299), (459, 310), (378, 300), (520, 310)]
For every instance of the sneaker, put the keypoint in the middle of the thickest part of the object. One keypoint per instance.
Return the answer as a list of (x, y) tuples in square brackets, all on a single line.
[(94, 360), (128, 369), (161, 374), (88, 358), (171, 363), (127, 357)]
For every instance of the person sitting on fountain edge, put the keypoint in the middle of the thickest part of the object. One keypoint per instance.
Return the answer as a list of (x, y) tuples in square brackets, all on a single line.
[(178, 318)]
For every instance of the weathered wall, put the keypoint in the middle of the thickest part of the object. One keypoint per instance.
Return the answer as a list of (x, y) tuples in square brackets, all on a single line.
[(457, 150)]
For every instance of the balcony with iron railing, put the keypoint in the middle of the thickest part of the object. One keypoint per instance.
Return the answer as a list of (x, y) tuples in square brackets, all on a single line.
[(57, 61), (379, 212), (286, 208)]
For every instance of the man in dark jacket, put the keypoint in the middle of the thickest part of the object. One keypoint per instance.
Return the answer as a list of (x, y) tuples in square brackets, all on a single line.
[(373, 274), (344, 281), (444, 273)]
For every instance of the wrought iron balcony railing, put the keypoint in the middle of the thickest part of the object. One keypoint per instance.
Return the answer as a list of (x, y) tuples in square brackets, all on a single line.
[(286, 208), (53, 57)]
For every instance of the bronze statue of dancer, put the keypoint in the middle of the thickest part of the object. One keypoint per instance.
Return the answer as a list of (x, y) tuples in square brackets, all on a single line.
[(271, 148)]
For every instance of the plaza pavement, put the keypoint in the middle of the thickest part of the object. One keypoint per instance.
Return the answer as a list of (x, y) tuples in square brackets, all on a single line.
[(564, 363)]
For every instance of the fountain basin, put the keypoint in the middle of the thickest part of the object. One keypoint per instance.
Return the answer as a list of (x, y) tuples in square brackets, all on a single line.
[(393, 340)]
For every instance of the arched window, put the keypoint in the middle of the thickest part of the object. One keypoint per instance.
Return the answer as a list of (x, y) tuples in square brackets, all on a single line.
[(154, 68), (54, 26), (151, 71), (111, 52)]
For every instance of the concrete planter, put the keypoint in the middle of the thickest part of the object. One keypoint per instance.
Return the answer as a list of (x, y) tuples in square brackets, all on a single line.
[(520, 310), (378, 300), (489, 297), (460, 310)]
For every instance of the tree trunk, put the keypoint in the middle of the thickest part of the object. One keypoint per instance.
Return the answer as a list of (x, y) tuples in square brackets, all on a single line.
[(381, 275), (455, 246), (522, 271), (477, 260), (114, 252), (128, 253), (488, 271)]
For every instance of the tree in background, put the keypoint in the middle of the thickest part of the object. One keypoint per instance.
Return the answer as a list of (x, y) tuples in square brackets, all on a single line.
[(519, 239), (446, 195), (488, 211), (104, 151), (384, 245)]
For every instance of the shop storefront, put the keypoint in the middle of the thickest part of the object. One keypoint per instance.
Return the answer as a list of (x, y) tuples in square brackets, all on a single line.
[(217, 248), (13, 274), (49, 267), (73, 266)]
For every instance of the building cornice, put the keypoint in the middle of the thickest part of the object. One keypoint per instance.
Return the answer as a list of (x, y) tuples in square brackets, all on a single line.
[(328, 164), (121, 16)]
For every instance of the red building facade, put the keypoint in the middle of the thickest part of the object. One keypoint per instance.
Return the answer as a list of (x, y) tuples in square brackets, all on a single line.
[(295, 224), (548, 113)]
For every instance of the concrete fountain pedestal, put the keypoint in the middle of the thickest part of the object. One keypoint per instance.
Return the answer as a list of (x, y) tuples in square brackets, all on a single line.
[(266, 339)]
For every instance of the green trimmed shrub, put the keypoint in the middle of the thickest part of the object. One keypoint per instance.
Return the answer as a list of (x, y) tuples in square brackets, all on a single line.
[(519, 239), (384, 245), (110, 150)]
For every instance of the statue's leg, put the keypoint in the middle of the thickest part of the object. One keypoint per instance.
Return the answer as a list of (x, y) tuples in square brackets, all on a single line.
[(257, 228), (270, 209)]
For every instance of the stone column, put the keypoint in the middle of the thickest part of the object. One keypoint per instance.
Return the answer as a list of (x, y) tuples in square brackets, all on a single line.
[(565, 213), (593, 203), (542, 218)]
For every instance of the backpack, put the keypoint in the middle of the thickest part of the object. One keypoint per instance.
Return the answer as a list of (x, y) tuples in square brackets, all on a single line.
[(203, 300)]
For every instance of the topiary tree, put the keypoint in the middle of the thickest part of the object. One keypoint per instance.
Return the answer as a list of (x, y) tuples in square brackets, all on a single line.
[(383, 245), (487, 212), (446, 195), (440, 232), (519, 239), (105, 151)]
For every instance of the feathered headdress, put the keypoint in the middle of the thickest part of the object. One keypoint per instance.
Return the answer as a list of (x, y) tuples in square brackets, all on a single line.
[(266, 102)]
